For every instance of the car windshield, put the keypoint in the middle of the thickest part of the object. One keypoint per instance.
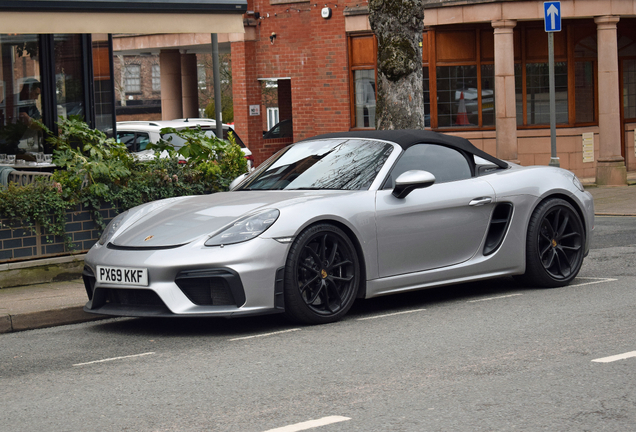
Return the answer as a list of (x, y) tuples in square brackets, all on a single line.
[(337, 163)]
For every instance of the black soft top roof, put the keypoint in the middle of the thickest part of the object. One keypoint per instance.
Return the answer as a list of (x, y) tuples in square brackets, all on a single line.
[(408, 137)]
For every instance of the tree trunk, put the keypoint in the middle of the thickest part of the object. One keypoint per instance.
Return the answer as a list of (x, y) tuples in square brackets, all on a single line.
[(398, 26)]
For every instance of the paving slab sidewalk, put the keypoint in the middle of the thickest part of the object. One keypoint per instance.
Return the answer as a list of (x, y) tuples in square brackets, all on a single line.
[(614, 201), (59, 303)]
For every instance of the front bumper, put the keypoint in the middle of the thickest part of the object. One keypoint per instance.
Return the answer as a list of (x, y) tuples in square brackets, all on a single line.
[(191, 280)]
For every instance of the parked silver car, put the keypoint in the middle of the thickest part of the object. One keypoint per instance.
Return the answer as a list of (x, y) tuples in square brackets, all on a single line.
[(339, 217)]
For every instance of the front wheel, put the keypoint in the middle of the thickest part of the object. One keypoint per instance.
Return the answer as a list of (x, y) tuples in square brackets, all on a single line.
[(322, 275), (554, 246)]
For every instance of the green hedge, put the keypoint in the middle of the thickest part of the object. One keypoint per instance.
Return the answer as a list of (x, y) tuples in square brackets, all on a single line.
[(94, 169)]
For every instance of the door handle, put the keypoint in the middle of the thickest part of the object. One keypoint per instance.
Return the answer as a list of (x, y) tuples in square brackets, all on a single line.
[(480, 201)]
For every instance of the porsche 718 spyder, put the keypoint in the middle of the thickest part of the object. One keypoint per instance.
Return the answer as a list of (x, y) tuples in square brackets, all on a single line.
[(339, 217)]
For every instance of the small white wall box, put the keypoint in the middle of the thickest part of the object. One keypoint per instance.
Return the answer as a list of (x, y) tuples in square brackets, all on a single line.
[(326, 13)]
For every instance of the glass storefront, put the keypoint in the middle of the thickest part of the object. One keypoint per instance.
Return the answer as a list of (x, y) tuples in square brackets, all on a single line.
[(21, 93), (47, 77)]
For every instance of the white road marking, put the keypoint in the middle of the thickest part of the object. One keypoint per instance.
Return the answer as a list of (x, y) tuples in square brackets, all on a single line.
[(616, 357), (310, 424), (598, 280), (264, 334), (391, 314), (114, 358), (493, 298)]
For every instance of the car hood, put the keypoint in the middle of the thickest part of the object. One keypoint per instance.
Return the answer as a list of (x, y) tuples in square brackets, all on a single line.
[(175, 222)]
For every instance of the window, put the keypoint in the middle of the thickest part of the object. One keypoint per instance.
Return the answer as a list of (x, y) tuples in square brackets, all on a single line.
[(20, 93), (132, 78), (363, 57), (459, 75), (585, 55), (463, 85), (103, 84), (128, 139), (532, 88), (457, 103), (156, 78), (445, 163), (142, 141), (627, 62), (629, 89), (134, 141), (365, 98), (537, 93), (69, 78), (272, 117), (201, 77)]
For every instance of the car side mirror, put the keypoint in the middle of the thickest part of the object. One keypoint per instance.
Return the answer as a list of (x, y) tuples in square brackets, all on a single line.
[(408, 181), (237, 180)]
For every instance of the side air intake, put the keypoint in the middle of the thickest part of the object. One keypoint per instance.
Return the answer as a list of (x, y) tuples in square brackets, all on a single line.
[(499, 222)]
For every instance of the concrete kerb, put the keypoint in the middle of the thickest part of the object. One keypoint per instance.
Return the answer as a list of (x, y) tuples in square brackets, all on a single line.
[(45, 270), (49, 318)]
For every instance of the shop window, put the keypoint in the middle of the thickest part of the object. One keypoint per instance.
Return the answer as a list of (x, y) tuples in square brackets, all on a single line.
[(69, 79), (20, 94), (132, 78), (103, 83)]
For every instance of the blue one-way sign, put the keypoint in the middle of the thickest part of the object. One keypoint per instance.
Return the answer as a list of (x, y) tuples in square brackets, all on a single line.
[(552, 16)]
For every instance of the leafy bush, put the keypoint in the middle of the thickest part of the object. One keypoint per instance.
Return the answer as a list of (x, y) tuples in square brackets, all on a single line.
[(94, 169), (40, 203)]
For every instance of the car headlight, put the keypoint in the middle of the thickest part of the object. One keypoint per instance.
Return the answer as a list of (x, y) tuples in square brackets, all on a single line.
[(246, 228), (578, 183), (112, 227)]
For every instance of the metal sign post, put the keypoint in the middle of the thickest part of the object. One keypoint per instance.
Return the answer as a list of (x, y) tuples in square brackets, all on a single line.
[(552, 21)]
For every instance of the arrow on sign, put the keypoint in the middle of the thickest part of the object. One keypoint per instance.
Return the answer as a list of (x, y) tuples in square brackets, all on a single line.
[(552, 13)]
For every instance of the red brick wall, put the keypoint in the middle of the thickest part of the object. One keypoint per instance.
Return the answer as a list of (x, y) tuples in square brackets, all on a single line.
[(312, 51)]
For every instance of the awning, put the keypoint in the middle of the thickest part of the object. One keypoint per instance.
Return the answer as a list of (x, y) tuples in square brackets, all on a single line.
[(122, 16)]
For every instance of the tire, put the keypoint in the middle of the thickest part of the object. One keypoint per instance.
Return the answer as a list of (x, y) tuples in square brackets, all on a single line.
[(554, 245), (322, 275)]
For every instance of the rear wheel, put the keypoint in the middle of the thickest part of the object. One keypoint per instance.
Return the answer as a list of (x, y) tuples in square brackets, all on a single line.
[(554, 246), (322, 275)]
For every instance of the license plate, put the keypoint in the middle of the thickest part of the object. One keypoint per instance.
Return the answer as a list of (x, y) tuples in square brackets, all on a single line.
[(122, 275)]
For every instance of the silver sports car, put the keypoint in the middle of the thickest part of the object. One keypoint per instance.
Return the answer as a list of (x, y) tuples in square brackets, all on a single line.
[(340, 217)]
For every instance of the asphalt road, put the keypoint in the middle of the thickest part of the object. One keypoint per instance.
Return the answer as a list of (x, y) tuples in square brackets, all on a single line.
[(491, 356)]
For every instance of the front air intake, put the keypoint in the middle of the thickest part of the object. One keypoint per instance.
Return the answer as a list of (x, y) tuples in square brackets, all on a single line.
[(219, 287)]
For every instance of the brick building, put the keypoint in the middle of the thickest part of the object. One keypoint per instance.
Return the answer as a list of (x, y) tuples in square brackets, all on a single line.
[(492, 54)]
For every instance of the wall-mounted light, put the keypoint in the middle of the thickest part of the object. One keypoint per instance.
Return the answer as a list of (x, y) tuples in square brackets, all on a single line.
[(272, 38)]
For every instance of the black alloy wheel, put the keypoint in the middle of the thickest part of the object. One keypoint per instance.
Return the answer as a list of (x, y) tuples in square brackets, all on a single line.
[(555, 245), (321, 275)]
